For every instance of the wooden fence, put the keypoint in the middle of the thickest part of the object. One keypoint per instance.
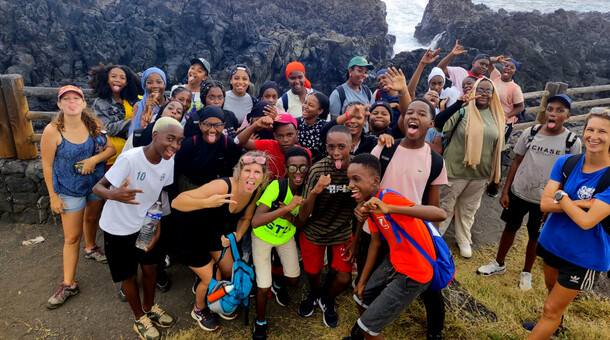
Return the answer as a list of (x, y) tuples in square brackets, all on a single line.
[(17, 137)]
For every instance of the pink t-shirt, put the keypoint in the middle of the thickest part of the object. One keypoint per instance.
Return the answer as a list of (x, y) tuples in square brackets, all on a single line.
[(509, 93), (408, 172)]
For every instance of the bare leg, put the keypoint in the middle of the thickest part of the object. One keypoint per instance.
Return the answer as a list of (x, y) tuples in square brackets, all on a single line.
[(72, 223), (93, 210), (205, 274), (149, 282), (130, 289), (554, 306), (261, 303), (506, 241)]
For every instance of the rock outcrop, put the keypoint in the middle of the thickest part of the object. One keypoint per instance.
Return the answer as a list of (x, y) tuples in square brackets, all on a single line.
[(54, 42)]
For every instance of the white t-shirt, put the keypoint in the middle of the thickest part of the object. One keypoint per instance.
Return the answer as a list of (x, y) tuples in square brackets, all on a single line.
[(126, 219)]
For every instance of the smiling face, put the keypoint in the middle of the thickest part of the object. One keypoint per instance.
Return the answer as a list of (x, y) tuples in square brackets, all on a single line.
[(436, 84), (215, 97), (286, 136), (357, 75), (298, 177), (467, 85), (479, 67), (270, 95), (240, 82), (383, 81), (432, 97), (380, 118), (556, 113), (356, 124), (250, 177), (417, 120), (71, 104), (154, 84), (197, 74), (311, 107), (184, 98), (117, 80), (296, 80), (362, 182), (173, 110), (597, 135), (485, 90), (167, 141), (338, 146), (508, 71), (211, 128)]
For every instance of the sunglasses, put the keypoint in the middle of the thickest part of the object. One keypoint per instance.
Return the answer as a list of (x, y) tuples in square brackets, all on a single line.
[(217, 126), (292, 169), (258, 160)]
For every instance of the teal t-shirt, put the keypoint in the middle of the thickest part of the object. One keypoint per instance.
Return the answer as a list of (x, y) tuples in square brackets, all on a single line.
[(278, 231)]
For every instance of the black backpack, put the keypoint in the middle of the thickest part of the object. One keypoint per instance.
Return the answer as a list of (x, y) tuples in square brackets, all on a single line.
[(363, 87), (436, 165), (447, 137), (601, 186), (283, 184), (570, 139)]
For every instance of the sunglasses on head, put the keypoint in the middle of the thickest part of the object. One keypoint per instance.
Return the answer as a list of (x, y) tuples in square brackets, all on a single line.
[(258, 160), (292, 169)]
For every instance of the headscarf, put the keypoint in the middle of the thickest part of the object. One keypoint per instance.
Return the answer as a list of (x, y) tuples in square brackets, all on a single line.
[(269, 84), (257, 110), (137, 121), (475, 130), (297, 66), (449, 92), (514, 62), (210, 111)]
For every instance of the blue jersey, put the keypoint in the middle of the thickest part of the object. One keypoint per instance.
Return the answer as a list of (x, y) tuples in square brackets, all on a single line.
[(564, 238)]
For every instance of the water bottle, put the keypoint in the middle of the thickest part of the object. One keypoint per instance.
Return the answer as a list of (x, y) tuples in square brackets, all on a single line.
[(149, 226), (100, 142)]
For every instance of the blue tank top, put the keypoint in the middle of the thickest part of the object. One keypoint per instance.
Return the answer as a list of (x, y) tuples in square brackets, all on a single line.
[(65, 178)]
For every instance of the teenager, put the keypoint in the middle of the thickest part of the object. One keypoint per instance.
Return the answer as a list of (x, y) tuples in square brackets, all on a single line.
[(227, 206), (380, 118), (311, 123), (383, 294), (510, 93), (198, 72), (117, 89), (575, 240), (73, 153), (535, 153), (292, 101), (212, 94), (237, 99), (353, 89), (183, 96), (270, 92), (273, 227), (131, 187), (153, 83), (456, 74), (143, 136)]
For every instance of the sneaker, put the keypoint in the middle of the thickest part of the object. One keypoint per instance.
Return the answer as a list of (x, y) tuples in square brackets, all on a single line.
[(281, 295), (195, 284), (260, 331), (431, 336), (560, 332), (159, 318), (96, 254), (525, 281), (145, 328), (307, 306), (205, 319), (491, 268), (465, 250), (163, 282), (330, 317), (61, 295), (229, 317), (167, 261), (121, 295)]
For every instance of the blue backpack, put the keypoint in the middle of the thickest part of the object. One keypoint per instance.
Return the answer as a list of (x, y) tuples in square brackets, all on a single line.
[(444, 267), (242, 280)]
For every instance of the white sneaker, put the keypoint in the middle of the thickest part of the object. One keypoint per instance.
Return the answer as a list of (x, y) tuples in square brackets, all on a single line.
[(525, 281), (491, 268), (465, 250)]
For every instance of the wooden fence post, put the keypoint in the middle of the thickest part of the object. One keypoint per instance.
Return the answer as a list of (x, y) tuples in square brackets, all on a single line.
[(7, 144), (552, 88), (17, 107)]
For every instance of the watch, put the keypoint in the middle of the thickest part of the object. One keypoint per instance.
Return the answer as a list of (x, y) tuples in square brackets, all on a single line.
[(558, 196)]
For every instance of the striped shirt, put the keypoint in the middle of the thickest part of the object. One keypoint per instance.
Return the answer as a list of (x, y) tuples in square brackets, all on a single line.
[(330, 221)]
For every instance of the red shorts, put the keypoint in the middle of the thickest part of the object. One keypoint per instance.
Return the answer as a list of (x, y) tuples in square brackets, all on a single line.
[(313, 257)]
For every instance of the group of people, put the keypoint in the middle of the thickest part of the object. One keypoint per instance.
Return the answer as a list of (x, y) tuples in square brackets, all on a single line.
[(299, 176)]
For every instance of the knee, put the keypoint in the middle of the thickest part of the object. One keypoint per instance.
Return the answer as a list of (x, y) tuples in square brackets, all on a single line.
[(292, 280), (511, 228), (264, 291), (70, 240), (344, 279), (551, 311)]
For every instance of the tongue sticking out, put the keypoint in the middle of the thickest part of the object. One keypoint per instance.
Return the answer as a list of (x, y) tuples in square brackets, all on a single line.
[(249, 186), (338, 163), (116, 88), (551, 125), (211, 138), (412, 130), (356, 194)]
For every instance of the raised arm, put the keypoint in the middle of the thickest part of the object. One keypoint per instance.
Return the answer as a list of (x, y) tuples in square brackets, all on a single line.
[(428, 58), (457, 50), (425, 212), (244, 137), (399, 84), (211, 195)]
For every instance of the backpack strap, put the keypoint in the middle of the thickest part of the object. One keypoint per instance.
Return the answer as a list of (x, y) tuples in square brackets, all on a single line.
[(283, 190), (570, 140), (341, 92), (533, 132), (602, 185), (436, 167), (386, 156), (568, 166), (448, 137), (367, 91), (285, 101)]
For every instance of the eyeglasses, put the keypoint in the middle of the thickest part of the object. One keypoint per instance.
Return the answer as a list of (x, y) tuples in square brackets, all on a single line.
[(292, 169), (217, 126), (215, 99), (489, 92), (258, 160)]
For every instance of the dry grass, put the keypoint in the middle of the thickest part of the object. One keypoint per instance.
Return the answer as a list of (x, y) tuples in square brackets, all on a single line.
[(587, 318)]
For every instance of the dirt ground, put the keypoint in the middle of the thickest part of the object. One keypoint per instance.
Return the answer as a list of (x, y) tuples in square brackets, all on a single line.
[(30, 275)]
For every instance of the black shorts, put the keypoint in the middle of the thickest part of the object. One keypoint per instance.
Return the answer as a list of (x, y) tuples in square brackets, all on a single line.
[(123, 256), (517, 209), (571, 276)]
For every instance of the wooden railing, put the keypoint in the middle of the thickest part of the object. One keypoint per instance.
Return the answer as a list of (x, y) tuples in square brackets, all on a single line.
[(17, 137)]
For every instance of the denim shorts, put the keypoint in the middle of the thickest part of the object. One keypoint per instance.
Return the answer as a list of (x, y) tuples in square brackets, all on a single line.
[(73, 203)]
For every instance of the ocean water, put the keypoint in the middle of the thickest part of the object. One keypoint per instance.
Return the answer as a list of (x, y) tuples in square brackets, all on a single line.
[(403, 15)]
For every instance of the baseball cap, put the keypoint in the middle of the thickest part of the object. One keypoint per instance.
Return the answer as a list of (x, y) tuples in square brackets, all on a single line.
[(382, 103), (563, 98), (70, 88), (360, 61), (285, 118), (202, 61)]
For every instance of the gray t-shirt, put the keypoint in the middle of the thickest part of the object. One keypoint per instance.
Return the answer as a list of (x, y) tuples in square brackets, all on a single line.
[(337, 108), (240, 106), (534, 171)]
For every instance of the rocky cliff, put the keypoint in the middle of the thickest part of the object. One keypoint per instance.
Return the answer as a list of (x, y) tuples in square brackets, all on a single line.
[(560, 46), (54, 42)]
